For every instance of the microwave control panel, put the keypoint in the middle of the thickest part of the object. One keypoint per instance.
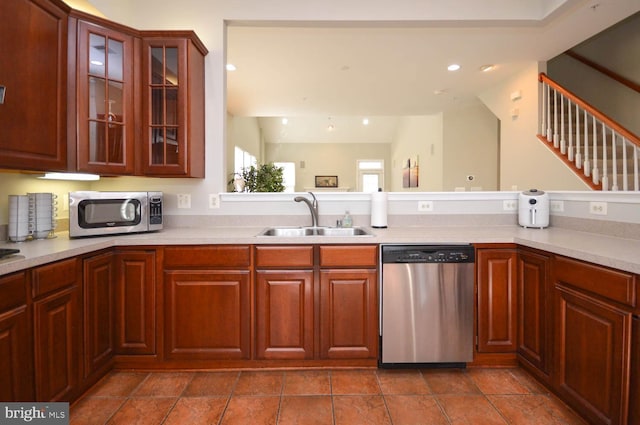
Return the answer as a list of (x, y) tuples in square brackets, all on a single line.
[(155, 209)]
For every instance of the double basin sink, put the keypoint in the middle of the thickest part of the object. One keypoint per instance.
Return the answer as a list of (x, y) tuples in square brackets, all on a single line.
[(291, 232)]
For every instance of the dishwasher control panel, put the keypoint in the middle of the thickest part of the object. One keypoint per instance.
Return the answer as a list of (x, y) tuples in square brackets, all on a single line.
[(427, 254)]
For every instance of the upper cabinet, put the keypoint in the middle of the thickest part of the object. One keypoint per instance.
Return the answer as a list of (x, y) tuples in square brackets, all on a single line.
[(172, 105), (105, 99), (33, 72), (82, 93)]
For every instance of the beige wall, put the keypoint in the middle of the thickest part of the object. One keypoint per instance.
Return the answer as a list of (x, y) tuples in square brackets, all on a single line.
[(418, 137), (471, 142), (326, 159), (243, 132)]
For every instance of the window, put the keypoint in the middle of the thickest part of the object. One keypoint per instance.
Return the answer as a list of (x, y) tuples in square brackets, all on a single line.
[(288, 174), (370, 175), (242, 159)]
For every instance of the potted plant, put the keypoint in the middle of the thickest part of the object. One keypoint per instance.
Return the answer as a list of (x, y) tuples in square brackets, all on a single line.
[(265, 178)]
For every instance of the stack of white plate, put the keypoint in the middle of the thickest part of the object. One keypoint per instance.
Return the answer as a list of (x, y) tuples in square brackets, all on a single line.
[(42, 214), (18, 218)]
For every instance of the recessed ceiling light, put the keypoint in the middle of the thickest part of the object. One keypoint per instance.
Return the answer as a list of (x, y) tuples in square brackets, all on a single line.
[(487, 68), (365, 121), (453, 67), (285, 121), (231, 67), (439, 92)]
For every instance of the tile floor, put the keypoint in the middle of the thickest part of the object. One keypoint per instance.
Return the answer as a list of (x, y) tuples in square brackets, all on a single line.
[(369, 396)]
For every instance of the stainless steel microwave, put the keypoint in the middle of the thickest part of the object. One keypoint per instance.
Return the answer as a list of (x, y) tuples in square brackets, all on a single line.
[(109, 213)]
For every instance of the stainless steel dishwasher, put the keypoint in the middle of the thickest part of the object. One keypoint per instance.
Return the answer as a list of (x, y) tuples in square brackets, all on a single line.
[(426, 305)]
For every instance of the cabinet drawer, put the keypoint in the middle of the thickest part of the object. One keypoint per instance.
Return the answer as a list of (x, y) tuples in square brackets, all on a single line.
[(284, 256), (54, 276), (207, 256), (13, 291), (615, 285), (349, 255)]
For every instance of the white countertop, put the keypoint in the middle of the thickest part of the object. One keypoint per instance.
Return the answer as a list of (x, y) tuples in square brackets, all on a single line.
[(618, 253)]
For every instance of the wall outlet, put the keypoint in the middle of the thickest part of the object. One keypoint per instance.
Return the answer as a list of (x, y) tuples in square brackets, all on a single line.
[(598, 208), (214, 200), (425, 205), (184, 200), (509, 205), (556, 206)]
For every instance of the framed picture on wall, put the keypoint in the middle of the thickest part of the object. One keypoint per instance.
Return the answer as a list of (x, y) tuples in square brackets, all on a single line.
[(326, 181)]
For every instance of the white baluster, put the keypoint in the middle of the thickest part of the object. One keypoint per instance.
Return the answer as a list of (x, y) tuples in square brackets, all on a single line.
[(587, 161), (625, 171), (543, 114), (614, 171), (563, 143), (549, 137), (556, 139), (636, 175), (595, 173), (578, 154), (570, 150)]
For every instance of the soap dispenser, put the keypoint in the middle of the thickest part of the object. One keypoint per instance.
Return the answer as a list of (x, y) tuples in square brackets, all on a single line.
[(347, 221)]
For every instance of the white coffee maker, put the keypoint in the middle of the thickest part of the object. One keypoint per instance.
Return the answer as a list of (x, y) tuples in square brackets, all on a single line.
[(533, 209)]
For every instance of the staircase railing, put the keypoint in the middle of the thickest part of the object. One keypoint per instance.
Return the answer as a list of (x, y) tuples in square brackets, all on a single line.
[(602, 152)]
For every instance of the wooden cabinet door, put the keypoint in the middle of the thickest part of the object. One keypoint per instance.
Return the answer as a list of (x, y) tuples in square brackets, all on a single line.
[(99, 288), (284, 314), (173, 106), (207, 314), (592, 342), (57, 326), (105, 94), (497, 300), (348, 314), (534, 311), (33, 36), (16, 340), (135, 306)]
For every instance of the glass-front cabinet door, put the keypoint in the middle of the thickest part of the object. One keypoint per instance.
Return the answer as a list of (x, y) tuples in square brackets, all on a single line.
[(105, 100), (173, 107)]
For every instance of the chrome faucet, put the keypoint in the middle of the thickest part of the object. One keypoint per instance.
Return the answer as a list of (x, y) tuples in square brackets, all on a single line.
[(313, 207)]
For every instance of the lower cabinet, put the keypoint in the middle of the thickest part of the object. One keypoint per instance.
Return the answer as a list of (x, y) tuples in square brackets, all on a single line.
[(535, 311), (57, 319), (348, 301), (348, 314), (135, 301), (99, 287), (16, 346), (207, 303), (496, 270), (593, 322)]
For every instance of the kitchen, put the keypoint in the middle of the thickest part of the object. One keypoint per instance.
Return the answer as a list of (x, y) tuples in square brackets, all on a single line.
[(236, 209)]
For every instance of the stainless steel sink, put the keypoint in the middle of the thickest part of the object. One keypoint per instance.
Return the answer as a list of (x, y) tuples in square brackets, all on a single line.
[(291, 232)]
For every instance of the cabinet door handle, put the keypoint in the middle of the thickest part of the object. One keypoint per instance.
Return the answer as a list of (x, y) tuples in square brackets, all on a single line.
[(2, 91)]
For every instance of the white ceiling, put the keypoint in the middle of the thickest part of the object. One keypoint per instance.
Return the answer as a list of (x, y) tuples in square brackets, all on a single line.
[(331, 71)]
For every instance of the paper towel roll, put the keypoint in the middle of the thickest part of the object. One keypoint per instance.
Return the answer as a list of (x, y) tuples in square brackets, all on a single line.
[(379, 209)]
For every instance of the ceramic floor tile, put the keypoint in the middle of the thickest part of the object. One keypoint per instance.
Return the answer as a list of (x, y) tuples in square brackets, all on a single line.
[(469, 409), (259, 383), (165, 384), (563, 411), (449, 381), (211, 383), (527, 409), (402, 382), (254, 410), (497, 381), (529, 382), (361, 410), (305, 382), (307, 410), (197, 410), (354, 382), (117, 384), (415, 410), (143, 411), (95, 410)]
